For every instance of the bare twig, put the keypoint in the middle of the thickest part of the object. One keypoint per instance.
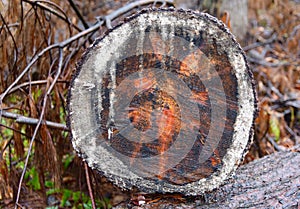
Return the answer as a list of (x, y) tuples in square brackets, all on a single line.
[(295, 30), (86, 168), (27, 160), (3, 148), (129, 7), (11, 25), (291, 132), (275, 145), (261, 43), (60, 14), (2, 96), (275, 90), (32, 121), (39, 124), (268, 64), (14, 42), (40, 82), (98, 190), (45, 37), (86, 26)]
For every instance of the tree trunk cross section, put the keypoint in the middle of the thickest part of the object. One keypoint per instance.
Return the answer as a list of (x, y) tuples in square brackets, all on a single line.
[(164, 102)]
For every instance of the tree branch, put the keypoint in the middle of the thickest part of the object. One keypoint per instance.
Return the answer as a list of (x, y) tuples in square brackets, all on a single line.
[(86, 26), (32, 121), (128, 7), (86, 168), (40, 82), (41, 4), (60, 63)]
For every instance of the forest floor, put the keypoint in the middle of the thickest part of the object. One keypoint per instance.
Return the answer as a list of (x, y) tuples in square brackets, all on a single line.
[(55, 176)]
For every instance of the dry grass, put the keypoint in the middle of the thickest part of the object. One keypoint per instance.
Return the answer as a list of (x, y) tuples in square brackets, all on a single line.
[(34, 83)]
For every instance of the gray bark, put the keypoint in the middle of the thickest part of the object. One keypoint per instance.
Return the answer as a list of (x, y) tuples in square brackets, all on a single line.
[(238, 14), (269, 182)]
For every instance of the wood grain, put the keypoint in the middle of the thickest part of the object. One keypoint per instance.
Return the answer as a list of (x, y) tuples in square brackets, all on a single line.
[(164, 102)]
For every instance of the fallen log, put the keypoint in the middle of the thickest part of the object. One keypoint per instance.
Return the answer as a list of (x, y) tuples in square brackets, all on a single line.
[(164, 102), (269, 182)]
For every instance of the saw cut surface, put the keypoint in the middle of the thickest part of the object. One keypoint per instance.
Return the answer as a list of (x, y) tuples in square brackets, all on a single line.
[(164, 102)]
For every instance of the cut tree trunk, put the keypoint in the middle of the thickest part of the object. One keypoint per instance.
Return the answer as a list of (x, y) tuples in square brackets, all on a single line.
[(269, 182), (164, 102)]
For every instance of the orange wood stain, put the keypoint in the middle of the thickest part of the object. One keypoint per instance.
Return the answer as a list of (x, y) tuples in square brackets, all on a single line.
[(166, 123), (200, 97), (215, 159)]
